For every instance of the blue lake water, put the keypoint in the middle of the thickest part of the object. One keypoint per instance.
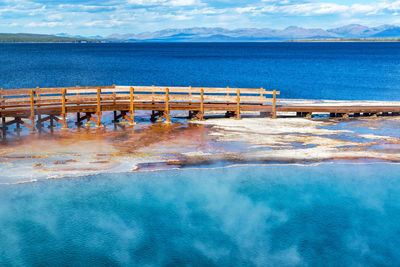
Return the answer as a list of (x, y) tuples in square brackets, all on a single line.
[(361, 71), (282, 215)]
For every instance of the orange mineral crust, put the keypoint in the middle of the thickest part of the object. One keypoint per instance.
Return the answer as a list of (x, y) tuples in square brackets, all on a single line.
[(152, 146)]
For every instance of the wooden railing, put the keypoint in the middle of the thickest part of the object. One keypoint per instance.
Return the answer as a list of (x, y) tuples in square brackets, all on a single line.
[(88, 95), (39, 100)]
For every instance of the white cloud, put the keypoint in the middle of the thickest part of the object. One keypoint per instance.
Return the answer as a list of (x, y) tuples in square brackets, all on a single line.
[(391, 5), (175, 17), (241, 10), (143, 15), (204, 11), (324, 8), (55, 17), (182, 2), (314, 9), (163, 2), (104, 23), (367, 9), (145, 2), (46, 24)]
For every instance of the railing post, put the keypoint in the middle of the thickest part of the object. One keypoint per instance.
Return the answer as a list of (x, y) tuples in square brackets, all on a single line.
[(238, 117), (38, 95), (131, 91), (261, 95), (132, 107), (190, 95), (98, 107), (274, 105), (167, 117), (152, 94), (131, 119), (201, 104), (227, 96), (98, 101), (63, 108), (32, 95)]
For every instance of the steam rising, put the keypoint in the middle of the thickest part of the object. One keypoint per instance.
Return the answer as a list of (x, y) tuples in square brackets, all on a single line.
[(245, 215)]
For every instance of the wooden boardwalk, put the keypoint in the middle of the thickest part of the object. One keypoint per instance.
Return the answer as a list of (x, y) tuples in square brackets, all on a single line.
[(33, 107)]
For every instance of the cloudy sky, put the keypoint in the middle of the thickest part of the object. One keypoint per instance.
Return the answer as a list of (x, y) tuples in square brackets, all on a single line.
[(104, 17)]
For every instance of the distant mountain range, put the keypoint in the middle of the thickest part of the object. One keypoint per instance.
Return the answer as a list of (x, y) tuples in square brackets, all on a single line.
[(95, 37), (201, 34)]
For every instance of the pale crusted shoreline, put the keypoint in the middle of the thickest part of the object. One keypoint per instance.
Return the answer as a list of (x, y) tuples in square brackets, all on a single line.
[(296, 140), (164, 146), (312, 102)]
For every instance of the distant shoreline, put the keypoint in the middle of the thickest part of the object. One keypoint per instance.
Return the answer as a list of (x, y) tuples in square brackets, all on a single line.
[(345, 40), (205, 42), (16, 38), (9, 43), (21, 38), (43, 38), (55, 42)]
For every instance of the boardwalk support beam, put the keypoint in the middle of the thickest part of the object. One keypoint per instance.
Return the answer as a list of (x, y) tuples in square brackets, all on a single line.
[(18, 125), (3, 127), (51, 121), (78, 119)]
